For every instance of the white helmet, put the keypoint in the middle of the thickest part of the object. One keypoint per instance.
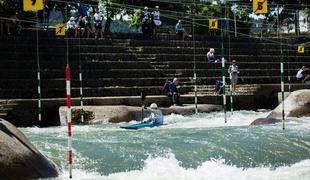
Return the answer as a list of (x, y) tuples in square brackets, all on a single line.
[(153, 106)]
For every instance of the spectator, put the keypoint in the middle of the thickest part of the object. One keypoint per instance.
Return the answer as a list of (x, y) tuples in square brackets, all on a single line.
[(81, 25), (180, 30), (13, 25), (233, 71), (219, 86), (72, 26), (83, 8), (46, 14), (98, 23), (73, 11), (300, 76), (146, 22), (145, 15), (212, 57), (172, 91), (156, 18)]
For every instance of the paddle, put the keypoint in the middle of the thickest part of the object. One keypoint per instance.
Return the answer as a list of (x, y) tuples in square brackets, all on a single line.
[(142, 96)]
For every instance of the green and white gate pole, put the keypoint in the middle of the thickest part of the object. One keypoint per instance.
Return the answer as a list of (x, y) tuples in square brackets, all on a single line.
[(81, 81), (38, 72), (282, 88), (223, 79)]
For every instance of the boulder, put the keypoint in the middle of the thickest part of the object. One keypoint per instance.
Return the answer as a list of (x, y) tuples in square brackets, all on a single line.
[(116, 114), (190, 109), (297, 104), (262, 121), (19, 159)]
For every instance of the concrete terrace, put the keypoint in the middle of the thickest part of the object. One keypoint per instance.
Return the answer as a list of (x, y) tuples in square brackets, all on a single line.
[(126, 64)]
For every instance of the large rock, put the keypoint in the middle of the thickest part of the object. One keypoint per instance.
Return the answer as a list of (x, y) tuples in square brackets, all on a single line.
[(297, 104), (190, 109), (19, 159), (262, 121), (116, 114)]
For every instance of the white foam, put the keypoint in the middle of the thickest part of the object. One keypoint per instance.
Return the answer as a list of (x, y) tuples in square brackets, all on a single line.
[(216, 119), (167, 168)]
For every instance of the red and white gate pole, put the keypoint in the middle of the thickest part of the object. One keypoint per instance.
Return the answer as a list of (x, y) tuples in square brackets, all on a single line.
[(69, 120)]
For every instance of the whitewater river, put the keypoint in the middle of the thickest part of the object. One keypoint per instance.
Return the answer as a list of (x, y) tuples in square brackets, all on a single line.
[(190, 147)]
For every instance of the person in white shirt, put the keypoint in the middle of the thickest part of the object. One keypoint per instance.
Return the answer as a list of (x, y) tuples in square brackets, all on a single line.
[(98, 23), (300, 75), (156, 18), (72, 26), (233, 70)]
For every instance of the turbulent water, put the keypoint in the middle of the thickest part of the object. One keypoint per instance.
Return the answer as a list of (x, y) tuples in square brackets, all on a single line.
[(190, 147)]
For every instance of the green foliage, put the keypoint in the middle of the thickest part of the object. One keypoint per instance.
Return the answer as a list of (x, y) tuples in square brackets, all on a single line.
[(77, 116), (134, 19)]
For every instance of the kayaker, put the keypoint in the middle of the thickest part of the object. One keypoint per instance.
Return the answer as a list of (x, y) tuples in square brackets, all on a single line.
[(156, 115)]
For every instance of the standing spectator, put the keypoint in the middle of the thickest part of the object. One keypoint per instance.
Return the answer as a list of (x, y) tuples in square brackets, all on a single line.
[(233, 72), (72, 26), (98, 23), (83, 8), (180, 30), (172, 91), (156, 18), (145, 21), (300, 75), (145, 15), (46, 14)]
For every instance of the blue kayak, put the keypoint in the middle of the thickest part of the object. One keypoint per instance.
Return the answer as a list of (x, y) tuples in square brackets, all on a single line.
[(141, 125)]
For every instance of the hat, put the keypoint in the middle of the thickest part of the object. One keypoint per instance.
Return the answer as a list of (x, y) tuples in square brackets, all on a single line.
[(153, 106), (145, 7), (156, 7), (72, 19), (233, 61), (175, 79), (212, 50)]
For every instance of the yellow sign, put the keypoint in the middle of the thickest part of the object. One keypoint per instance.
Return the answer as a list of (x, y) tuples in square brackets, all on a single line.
[(301, 49), (60, 30), (260, 6), (213, 24), (33, 5)]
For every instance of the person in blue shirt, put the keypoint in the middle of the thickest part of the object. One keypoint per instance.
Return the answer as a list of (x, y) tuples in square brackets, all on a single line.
[(179, 30), (172, 91)]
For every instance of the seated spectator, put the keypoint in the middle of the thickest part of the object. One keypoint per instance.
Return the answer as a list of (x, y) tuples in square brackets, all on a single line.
[(219, 86), (181, 31), (98, 23), (72, 26), (13, 26), (300, 76), (212, 57), (83, 25), (172, 91)]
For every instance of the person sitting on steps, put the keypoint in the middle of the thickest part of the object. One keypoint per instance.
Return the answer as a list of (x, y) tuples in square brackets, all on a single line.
[(172, 91), (180, 30)]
